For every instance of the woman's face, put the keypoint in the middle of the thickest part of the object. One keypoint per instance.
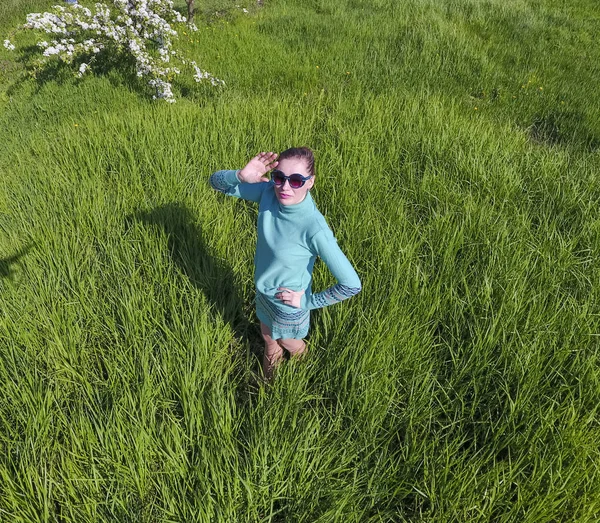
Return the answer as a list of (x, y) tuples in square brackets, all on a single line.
[(285, 194)]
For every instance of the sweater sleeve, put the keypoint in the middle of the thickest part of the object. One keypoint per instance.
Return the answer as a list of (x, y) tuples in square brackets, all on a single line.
[(348, 283), (228, 183)]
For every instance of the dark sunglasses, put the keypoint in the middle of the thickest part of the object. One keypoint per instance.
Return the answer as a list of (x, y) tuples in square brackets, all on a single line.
[(295, 180)]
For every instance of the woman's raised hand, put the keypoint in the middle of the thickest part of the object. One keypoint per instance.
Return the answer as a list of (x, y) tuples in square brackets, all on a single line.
[(255, 169)]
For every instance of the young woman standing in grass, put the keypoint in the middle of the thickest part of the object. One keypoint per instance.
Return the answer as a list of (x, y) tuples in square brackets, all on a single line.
[(291, 234)]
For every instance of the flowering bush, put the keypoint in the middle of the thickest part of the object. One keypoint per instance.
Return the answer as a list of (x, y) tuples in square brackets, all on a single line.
[(139, 29)]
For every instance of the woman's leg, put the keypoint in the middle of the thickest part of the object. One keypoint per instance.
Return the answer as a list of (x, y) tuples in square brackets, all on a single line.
[(294, 346), (273, 352)]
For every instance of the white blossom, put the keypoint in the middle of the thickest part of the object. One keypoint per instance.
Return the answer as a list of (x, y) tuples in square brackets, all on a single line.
[(204, 75), (51, 51), (8, 45), (163, 90), (139, 28)]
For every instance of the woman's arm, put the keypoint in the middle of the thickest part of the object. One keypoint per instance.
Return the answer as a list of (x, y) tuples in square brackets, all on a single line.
[(228, 183), (348, 283), (247, 183)]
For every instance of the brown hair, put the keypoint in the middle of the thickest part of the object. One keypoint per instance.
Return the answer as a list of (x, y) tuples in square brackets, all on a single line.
[(303, 153)]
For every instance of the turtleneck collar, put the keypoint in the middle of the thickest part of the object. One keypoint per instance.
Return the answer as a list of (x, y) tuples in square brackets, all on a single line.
[(304, 206)]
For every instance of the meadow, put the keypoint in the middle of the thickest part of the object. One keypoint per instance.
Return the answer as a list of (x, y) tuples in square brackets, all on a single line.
[(458, 156)]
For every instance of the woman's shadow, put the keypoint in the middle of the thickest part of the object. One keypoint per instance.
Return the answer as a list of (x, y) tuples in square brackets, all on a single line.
[(6, 263), (209, 274)]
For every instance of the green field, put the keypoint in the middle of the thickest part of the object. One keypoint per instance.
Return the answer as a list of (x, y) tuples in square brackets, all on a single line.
[(457, 149)]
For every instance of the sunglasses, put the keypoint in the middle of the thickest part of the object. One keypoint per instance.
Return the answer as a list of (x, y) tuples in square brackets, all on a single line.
[(295, 180)]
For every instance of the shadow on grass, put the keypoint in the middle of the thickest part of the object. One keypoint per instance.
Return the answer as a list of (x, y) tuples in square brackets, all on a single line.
[(5, 263), (564, 128), (119, 69), (212, 276)]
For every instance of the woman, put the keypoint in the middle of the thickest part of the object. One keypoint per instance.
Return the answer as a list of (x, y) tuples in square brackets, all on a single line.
[(291, 234)]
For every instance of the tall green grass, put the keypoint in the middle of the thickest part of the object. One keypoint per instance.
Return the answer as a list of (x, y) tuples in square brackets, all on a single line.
[(457, 163)]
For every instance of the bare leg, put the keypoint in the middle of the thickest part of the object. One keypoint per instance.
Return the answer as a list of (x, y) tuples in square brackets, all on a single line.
[(273, 352), (293, 346)]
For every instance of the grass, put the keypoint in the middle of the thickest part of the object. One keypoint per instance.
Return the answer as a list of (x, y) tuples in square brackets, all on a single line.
[(457, 160)]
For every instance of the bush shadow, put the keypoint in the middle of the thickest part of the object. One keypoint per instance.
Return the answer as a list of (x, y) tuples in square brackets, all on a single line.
[(563, 128), (118, 69)]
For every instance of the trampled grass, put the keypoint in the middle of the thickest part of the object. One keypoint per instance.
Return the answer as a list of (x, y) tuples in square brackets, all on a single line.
[(457, 163)]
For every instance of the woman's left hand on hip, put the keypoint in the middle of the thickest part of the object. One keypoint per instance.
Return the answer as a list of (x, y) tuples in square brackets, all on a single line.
[(289, 297)]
